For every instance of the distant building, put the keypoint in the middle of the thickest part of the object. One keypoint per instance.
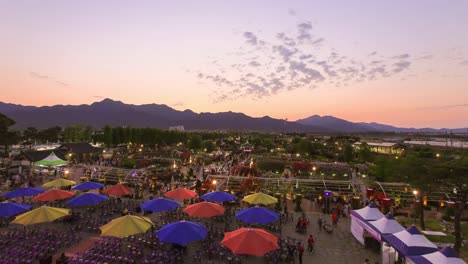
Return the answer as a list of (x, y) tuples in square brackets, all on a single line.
[(439, 144), (390, 148), (176, 128), (78, 148), (79, 151)]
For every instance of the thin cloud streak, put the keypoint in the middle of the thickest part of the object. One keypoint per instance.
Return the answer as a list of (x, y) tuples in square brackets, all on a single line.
[(44, 77), (444, 107)]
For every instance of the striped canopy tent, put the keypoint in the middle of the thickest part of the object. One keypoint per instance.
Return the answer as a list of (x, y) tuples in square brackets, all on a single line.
[(52, 161), (444, 256), (410, 242), (386, 225), (360, 222)]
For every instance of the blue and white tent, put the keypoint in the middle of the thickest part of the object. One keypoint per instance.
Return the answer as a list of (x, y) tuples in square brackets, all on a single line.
[(387, 225), (444, 256), (360, 220), (410, 242), (368, 213)]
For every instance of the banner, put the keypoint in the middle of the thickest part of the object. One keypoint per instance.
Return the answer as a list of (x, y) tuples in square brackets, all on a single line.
[(357, 230)]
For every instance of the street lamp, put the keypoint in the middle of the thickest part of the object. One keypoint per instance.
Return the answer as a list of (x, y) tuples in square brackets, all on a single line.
[(415, 192)]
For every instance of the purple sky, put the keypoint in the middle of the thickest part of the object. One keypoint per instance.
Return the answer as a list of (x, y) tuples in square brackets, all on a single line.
[(398, 62)]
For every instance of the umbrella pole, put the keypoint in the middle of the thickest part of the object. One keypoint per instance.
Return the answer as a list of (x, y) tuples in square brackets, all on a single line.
[(281, 226), (209, 245)]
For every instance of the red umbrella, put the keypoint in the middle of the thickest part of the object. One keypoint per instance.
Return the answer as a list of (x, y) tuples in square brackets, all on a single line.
[(204, 209), (251, 241), (180, 193), (117, 190), (53, 195)]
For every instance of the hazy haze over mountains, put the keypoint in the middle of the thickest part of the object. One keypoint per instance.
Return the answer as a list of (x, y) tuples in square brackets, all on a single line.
[(117, 113)]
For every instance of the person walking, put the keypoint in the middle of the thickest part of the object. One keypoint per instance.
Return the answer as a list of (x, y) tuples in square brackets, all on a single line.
[(301, 252), (320, 223), (310, 244), (334, 219)]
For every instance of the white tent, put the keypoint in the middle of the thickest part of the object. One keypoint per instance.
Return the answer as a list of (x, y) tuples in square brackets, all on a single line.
[(444, 256), (368, 213), (360, 222), (387, 225), (410, 242)]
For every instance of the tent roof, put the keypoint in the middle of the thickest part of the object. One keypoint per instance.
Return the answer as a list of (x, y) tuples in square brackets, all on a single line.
[(410, 242), (444, 256), (34, 156), (387, 225), (369, 213), (79, 148), (52, 160)]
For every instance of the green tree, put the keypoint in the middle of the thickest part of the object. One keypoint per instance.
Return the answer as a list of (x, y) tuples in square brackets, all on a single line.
[(271, 165), (7, 137), (454, 180), (78, 133), (364, 152), (30, 134), (88, 133), (348, 152), (208, 145), (51, 134), (195, 142), (302, 146), (107, 136), (69, 134)]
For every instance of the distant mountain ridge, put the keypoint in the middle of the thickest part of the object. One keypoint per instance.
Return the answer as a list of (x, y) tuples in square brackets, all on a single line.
[(117, 113)]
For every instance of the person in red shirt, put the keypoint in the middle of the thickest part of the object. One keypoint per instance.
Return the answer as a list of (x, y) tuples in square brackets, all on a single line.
[(334, 219), (301, 251), (310, 243)]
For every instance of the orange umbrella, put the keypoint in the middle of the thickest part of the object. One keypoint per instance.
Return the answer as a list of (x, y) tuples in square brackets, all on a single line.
[(118, 190), (251, 241), (180, 193), (204, 209), (53, 195)]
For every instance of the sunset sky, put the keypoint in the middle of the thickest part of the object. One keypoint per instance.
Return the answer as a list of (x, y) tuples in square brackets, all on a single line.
[(403, 63)]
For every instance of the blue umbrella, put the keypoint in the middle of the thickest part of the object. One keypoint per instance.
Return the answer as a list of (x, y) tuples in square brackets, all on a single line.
[(90, 185), (181, 232), (218, 196), (24, 191), (11, 209), (87, 199), (258, 215), (159, 205)]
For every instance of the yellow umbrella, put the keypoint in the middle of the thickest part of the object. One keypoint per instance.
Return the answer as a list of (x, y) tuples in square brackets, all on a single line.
[(40, 215), (260, 198), (58, 183), (126, 226)]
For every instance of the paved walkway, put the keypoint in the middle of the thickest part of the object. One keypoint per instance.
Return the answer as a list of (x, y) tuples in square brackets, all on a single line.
[(337, 247)]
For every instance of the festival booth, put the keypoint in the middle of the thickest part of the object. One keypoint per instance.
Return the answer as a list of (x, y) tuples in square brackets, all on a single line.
[(360, 220), (444, 256), (385, 226), (409, 242)]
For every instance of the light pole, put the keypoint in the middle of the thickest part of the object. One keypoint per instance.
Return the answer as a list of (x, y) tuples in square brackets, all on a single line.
[(415, 193)]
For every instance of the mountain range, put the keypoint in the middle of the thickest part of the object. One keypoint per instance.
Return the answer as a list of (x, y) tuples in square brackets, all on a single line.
[(117, 113)]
